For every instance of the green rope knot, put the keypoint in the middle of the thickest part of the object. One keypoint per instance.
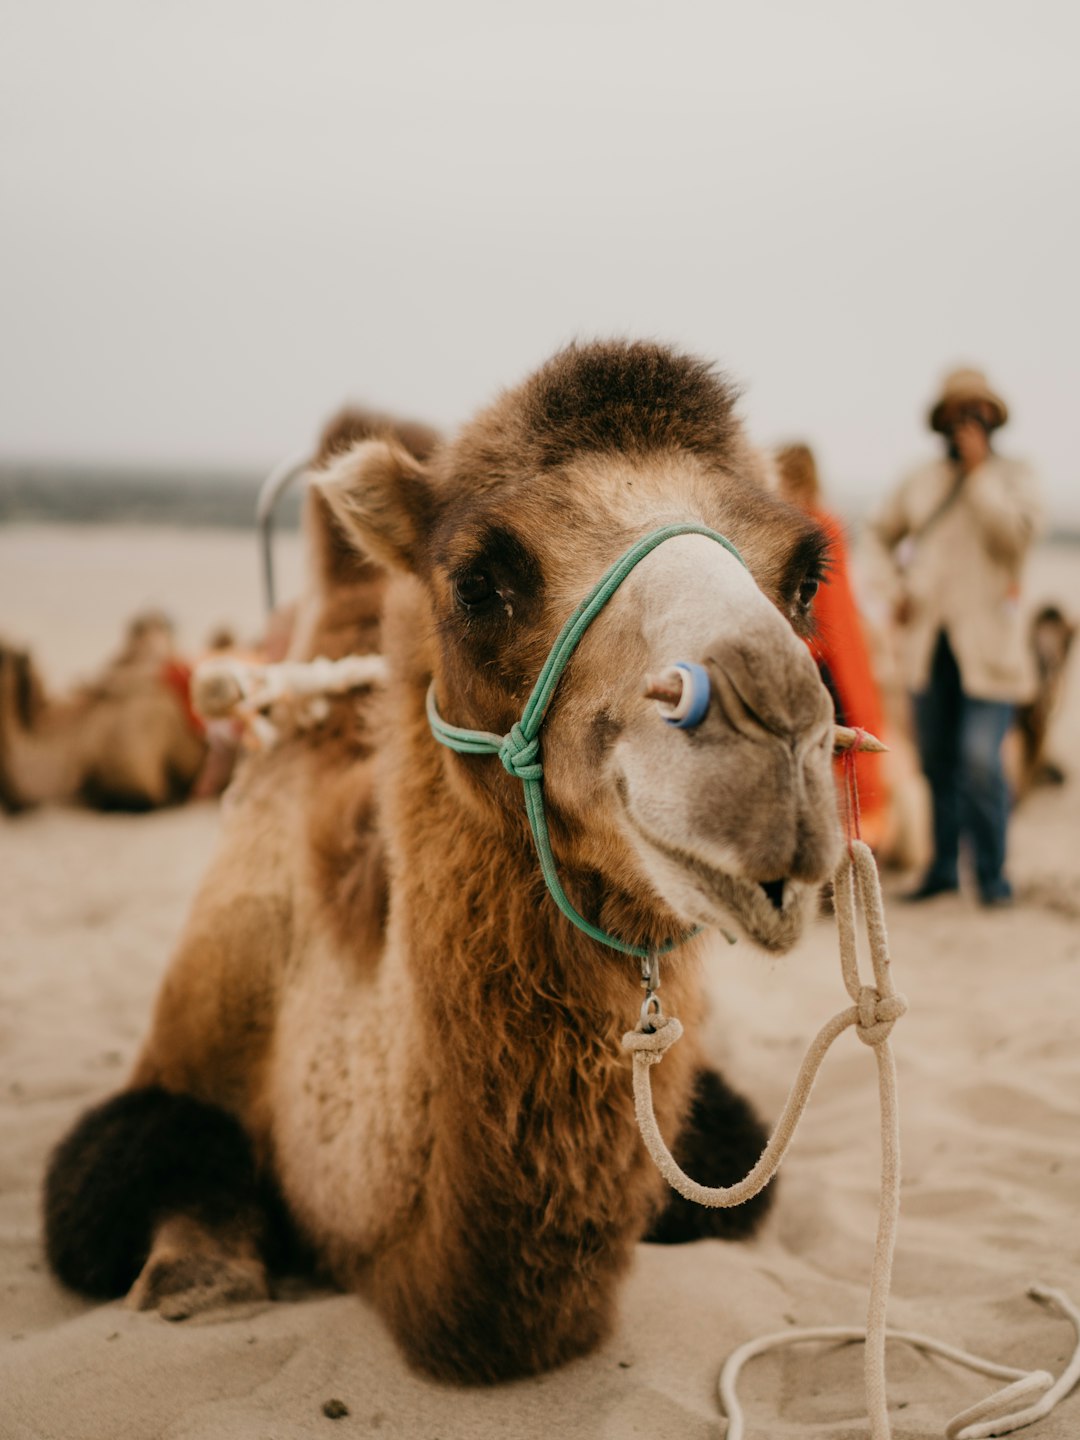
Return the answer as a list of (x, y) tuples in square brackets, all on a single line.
[(520, 755)]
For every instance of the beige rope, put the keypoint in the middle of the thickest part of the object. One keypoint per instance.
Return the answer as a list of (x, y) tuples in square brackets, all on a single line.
[(222, 685), (875, 1011), (232, 695)]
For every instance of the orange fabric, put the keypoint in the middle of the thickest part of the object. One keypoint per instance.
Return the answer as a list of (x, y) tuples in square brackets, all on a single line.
[(176, 676), (840, 645)]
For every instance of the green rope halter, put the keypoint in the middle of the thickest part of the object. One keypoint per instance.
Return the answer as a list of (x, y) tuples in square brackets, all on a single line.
[(519, 751)]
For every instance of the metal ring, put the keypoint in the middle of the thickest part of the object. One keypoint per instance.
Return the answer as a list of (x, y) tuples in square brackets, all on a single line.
[(651, 1009)]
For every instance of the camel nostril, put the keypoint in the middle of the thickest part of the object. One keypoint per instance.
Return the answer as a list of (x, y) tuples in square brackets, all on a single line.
[(774, 893)]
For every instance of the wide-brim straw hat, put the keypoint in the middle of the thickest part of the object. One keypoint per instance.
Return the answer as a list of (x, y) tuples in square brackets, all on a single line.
[(963, 390)]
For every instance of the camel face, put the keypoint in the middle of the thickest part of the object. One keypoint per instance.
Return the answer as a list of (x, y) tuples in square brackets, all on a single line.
[(735, 818), (508, 529)]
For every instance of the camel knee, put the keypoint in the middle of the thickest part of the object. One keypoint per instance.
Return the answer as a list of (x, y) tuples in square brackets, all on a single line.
[(128, 1167)]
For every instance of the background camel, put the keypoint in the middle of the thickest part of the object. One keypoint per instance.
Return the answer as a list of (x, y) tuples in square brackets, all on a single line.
[(125, 741), (376, 1015), (1051, 637), (128, 739)]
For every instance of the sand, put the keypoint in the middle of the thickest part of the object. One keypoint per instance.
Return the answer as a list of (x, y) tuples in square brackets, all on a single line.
[(990, 1090)]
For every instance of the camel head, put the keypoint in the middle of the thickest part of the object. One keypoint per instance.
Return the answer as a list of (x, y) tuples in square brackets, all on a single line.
[(655, 828)]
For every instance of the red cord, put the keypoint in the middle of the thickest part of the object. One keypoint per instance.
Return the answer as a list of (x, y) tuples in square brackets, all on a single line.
[(851, 790)]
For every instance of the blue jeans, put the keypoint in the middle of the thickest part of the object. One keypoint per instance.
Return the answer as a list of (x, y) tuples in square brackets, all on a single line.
[(960, 746)]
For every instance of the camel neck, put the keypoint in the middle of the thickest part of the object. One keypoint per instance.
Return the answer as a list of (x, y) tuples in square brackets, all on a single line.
[(470, 900)]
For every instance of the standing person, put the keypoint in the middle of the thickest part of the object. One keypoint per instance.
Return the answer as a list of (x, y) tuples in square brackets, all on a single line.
[(956, 533)]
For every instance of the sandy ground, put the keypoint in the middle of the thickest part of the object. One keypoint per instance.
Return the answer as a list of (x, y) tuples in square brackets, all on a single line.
[(990, 1088)]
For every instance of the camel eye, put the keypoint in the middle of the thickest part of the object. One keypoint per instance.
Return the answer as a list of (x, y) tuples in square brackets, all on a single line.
[(474, 588), (807, 590)]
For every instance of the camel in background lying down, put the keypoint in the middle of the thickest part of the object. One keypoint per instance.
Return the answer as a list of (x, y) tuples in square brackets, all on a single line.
[(127, 740), (378, 1032)]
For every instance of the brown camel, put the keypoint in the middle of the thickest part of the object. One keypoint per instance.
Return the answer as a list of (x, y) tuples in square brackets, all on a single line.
[(1051, 638), (379, 1034), (128, 740), (125, 741)]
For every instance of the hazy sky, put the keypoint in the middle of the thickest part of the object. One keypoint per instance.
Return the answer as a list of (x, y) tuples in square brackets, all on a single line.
[(219, 220)]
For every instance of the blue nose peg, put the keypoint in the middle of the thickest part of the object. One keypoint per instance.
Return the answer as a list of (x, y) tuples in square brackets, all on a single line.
[(683, 692)]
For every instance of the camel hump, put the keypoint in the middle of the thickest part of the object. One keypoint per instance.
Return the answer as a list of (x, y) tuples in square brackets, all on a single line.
[(340, 609), (335, 558), (333, 561), (21, 698), (354, 423), (23, 688), (341, 612)]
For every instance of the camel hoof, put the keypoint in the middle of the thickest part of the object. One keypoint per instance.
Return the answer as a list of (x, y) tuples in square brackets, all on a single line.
[(179, 1286), (191, 1269)]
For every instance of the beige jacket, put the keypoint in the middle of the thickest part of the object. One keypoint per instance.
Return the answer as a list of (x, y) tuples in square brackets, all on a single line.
[(962, 575)]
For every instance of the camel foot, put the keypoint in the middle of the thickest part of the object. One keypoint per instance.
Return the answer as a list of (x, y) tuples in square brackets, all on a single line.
[(192, 1269), (142, 1155)]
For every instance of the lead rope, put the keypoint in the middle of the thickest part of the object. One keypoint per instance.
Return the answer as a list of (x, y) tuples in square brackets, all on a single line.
[(873, 1013)]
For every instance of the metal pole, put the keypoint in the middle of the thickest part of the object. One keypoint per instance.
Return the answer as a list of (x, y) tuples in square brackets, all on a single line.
[(273, 487)]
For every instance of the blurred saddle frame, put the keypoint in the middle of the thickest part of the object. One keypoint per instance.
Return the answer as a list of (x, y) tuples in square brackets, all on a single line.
[(270, 492)]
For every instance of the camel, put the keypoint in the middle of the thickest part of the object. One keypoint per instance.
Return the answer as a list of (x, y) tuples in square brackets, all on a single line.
[(380, 1042), (129, 740), (125, 741), (1051, 638)]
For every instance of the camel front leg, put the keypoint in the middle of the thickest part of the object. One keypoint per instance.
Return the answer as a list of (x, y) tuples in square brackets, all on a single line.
[(157, 1195), (166, 1186)]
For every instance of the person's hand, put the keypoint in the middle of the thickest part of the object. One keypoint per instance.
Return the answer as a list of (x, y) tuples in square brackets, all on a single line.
[(971, 444)]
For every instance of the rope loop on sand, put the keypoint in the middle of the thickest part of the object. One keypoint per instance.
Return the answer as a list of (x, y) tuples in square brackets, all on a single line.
[(875, 1010)]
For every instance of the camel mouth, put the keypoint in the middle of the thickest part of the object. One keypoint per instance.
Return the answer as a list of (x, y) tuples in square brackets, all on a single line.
[(772, 913)]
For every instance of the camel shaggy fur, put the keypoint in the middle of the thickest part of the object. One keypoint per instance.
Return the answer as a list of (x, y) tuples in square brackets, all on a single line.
[(378, 1031), (125, 741)]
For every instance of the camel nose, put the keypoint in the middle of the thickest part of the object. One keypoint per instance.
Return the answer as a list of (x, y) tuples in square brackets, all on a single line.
[(682, 694)]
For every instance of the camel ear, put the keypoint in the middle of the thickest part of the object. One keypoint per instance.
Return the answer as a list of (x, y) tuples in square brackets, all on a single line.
[(380, 496)]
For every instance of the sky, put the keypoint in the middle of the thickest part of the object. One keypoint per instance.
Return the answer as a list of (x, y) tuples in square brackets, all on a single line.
[(219, 221)]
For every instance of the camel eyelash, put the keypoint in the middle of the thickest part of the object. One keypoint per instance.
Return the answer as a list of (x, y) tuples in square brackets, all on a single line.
[(813, 563), (808, 566)]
